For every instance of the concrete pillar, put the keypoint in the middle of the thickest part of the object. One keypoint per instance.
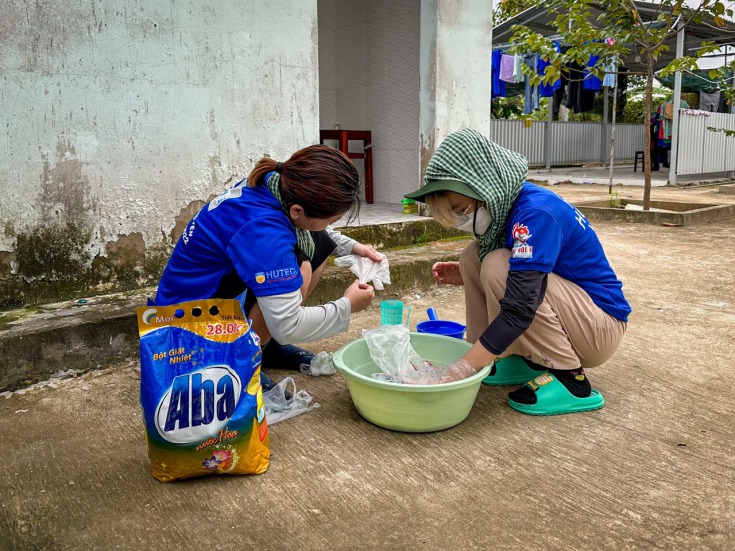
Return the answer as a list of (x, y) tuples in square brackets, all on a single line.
[(454, 57), (547, 133), (605, 129), (677, 104)]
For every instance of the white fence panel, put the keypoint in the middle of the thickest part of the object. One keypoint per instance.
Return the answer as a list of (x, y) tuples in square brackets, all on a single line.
[(514, 135), (575, 142), (628, 139), (702, 151), (570, 142)]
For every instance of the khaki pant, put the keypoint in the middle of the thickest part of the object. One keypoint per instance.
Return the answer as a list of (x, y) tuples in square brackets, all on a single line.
[(569, 330)]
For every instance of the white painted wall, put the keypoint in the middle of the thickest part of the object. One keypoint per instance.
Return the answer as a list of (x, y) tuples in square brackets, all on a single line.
[(369, 80), (120, 114), (410, 71), (456, 47)]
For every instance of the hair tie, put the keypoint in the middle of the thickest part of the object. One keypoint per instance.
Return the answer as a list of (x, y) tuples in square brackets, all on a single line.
[(278, 167)]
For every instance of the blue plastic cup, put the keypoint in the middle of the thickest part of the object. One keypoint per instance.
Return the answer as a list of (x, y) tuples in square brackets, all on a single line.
[(391, 312)]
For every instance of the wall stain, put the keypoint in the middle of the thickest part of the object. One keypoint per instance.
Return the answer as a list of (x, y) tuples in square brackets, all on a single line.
[(65, 189), (127, 249), (427, 150), (212, 126), (215, 163), (55, 252), (9, 229), (123, 262), (186, 214), (6, 263), (54, 261)]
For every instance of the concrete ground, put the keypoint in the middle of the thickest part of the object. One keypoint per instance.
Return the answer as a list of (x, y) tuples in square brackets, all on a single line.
[(653, 469), (623, 174)]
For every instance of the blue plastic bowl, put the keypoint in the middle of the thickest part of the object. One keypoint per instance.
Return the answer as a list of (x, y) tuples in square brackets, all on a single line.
[(441, 327)]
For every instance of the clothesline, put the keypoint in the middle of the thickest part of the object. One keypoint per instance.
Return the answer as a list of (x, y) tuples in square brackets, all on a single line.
[(509, 44), (653, 24), (708, 81), (581, 92)]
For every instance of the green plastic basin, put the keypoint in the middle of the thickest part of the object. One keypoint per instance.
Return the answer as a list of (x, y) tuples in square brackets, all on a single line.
[(410, 408)]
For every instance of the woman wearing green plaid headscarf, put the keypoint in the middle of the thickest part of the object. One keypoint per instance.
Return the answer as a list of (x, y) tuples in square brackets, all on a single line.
[(539, 291)]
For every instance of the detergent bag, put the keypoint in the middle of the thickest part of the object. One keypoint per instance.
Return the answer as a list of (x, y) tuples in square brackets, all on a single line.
[(200, 390)]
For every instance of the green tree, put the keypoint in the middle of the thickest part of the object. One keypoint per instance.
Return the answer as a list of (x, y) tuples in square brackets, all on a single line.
[(510, 8), (585, 35)]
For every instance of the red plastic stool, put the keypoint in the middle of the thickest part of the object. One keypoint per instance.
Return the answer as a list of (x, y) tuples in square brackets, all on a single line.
[(343, 137)]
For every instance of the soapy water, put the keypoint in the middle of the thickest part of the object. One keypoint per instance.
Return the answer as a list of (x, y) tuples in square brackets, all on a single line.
[(390, 349), (422, 367)]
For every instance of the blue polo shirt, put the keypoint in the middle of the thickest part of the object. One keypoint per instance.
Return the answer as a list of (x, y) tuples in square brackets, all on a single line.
[(547, 234), (244, 232)]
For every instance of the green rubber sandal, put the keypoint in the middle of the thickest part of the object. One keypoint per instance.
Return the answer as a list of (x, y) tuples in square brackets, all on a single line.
[(510, 371), (552, 398)]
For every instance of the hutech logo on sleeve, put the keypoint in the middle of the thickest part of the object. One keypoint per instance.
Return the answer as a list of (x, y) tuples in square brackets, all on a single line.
[(521, 234), (277, 276)]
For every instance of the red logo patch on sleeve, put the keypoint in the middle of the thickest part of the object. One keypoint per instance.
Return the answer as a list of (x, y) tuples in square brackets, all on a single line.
[(521, 234)]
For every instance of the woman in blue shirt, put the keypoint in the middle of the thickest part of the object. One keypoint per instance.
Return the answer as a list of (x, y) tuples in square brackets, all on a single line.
[(269, 235), (537, 282)]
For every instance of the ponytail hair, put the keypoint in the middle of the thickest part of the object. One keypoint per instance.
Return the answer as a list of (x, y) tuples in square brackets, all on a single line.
[(319, 178), (263, 167)]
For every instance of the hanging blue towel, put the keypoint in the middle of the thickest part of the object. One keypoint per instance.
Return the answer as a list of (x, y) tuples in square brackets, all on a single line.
[(591, 82), (547, 90), (610, 73), (498, 87)]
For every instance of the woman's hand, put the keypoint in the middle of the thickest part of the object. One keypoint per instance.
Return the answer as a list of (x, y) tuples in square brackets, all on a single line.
[(447, 273), (461, 369), (360, 295), (368, 251)]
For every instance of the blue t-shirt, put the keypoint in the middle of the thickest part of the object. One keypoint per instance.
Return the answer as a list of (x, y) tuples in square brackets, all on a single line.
[(498, 86), (591, 82), (243, 232), (547, 234), (547, 90)]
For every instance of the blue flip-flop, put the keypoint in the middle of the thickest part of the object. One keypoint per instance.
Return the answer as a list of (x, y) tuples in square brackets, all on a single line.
[(553, 398), (510, 371)]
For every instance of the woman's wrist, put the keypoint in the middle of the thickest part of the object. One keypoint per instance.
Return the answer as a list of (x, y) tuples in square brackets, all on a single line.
[(479, 356)]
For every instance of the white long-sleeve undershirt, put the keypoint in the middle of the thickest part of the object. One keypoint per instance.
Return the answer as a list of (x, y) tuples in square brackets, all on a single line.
[(291, 323)]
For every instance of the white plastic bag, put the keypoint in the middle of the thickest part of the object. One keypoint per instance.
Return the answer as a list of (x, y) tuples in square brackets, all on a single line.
[(367, 270), (390, 348), (321, 364), (279, 408)]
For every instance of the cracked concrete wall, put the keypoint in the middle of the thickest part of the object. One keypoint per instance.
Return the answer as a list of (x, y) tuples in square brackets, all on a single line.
[(456, 47), (121, 118)]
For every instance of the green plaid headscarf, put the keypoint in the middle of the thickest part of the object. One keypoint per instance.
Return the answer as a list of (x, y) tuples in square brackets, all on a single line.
[(493, 172), (303, 237)]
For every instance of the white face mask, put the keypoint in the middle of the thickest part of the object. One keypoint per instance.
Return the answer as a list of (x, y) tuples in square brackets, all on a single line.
[(475, 222)]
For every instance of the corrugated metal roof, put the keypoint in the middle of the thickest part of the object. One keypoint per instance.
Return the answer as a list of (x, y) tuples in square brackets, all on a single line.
[(539, 20)]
